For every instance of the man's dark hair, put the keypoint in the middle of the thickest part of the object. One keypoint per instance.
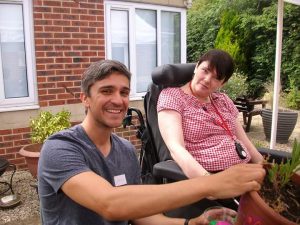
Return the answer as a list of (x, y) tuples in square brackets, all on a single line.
[(99, 71), (219, 60)]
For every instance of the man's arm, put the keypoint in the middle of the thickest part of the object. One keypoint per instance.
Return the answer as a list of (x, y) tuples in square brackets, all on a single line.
[(169, 122), (137, 201)]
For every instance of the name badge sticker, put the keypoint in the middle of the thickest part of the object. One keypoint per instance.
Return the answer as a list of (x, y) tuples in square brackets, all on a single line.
[(120, 180)]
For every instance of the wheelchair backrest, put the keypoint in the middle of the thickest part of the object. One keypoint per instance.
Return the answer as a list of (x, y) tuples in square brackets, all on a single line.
[(168, 75)]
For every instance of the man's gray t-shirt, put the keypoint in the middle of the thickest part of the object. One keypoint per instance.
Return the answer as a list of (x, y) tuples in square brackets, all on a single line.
[(71, 152)]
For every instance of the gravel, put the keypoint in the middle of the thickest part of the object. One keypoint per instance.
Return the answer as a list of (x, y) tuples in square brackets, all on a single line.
[(29, 206)]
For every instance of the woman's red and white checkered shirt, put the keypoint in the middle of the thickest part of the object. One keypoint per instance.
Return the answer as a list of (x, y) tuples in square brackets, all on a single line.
[(207, 141)]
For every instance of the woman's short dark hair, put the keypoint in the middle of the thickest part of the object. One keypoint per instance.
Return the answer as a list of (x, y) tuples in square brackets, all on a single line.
[(219, 60), (99, 71)]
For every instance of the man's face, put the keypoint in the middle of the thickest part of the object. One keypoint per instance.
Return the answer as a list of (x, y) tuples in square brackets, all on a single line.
[(108, 100)]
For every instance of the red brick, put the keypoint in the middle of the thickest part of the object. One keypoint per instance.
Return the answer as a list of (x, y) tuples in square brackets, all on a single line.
[(70, 17), (53, 41), (9, 156), (42, 9), (62, 35), (45, 73), (18, 161), (56, 91), (61, 10), (46, 85), (12, 137), (65, 84), (54, 67), (44, 60), (5, 132), (57, 102), (80, 23), (87, 5), (41, 79), (38, 28), (63, 72), (43, 103), (6, 144), (52, 3), (55, 78), (64, 96), (62, 48), (21, 130), (54, 54), (61, 22), (44, 48), (13, 150), (43, 22), (88, 17), (54, 16), (80, 35), (26, 136), (71, 41), (73, 101), (43, 35), (22, 142), (47, 97), (53, 29)]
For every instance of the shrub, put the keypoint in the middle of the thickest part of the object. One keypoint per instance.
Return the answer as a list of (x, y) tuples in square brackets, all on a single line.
[(236, 86), (47, 124)]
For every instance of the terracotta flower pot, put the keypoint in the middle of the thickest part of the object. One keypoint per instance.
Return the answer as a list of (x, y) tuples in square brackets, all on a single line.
[(31, 154), (296, 178), (254, 211)]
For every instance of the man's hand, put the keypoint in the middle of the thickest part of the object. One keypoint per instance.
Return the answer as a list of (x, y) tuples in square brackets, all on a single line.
[(236, 180), (217, 214)]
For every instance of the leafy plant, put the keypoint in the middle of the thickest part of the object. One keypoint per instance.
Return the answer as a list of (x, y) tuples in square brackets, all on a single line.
[(269, 93), (293, 97), (47, 124), (236, 86), (280, 174)]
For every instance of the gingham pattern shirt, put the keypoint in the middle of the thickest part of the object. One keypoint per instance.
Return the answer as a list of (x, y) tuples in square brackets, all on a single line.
[(207, 141)]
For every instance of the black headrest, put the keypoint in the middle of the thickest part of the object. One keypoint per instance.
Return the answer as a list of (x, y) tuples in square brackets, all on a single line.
[(169, 75)]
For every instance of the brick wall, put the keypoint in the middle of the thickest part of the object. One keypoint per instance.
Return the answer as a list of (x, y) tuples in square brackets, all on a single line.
[(12, 140), (68, 36)]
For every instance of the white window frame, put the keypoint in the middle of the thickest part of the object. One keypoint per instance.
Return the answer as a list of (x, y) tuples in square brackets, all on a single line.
[(30, 102), (130, 6)]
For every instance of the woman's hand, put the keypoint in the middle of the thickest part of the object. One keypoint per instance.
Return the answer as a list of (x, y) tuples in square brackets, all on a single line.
[(215, 214)]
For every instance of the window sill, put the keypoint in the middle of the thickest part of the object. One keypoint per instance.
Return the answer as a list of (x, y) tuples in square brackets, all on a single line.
[(19, 108)]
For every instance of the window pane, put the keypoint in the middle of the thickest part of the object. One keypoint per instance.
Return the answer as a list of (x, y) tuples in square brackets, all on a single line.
[(170, 37), (12, 51), (146, 57), (119, 36)]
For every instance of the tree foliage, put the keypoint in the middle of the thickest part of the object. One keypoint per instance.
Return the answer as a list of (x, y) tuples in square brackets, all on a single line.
[(247, 30)]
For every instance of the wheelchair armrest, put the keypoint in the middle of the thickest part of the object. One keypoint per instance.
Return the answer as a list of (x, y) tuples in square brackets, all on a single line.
[(275, 155), (168, 169)]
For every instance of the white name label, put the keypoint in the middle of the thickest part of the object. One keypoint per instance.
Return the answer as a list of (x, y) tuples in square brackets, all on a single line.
[(120, 180)]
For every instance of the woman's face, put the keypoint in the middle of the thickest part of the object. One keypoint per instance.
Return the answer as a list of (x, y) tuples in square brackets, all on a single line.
[(205, 80)]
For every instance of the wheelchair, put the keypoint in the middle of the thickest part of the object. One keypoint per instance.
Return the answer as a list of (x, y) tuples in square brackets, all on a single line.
[(156, 162)]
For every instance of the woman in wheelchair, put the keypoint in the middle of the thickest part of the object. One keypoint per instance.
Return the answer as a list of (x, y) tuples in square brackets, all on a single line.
[(200, 125)]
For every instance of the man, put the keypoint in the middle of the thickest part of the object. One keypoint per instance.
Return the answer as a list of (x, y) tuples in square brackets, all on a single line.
[(88, 175)]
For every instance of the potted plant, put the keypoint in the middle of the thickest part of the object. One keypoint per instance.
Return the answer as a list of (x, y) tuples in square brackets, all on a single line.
[(278, 201), (42, 127), (286, 121)]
